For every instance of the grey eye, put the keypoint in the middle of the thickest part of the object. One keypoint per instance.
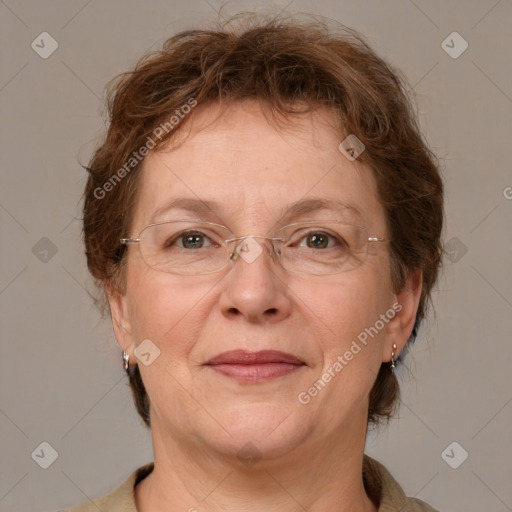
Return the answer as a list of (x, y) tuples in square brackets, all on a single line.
[(188, 240)]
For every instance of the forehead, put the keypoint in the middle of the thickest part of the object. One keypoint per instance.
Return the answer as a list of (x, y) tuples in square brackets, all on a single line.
[(237, 165)]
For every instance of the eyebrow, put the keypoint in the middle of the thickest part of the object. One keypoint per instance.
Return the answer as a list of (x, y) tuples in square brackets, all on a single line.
[(208, 209)]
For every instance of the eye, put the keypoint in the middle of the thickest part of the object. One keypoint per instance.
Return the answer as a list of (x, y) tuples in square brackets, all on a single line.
[(321, 240), (189, 240)]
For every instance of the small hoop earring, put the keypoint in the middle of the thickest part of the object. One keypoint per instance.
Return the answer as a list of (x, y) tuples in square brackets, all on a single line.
[(393, 356), (126, 358)]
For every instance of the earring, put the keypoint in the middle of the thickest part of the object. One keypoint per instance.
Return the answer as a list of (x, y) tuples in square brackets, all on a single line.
[(126, 357), (393, 356)]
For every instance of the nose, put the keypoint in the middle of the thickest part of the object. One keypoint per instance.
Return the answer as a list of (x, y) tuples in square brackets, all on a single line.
[(256, 285)]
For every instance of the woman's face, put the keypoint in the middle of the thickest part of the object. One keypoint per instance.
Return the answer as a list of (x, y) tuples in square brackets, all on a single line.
[(254, 171)]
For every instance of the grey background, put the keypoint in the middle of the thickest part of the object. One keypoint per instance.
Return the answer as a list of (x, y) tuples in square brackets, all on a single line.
[(61, 379)]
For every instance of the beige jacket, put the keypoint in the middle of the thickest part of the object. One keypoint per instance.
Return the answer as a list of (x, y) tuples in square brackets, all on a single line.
[(380, 486)]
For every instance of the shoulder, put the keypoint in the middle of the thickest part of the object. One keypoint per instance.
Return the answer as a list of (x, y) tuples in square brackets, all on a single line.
[(121, 499), (385, 490), (415, 505)]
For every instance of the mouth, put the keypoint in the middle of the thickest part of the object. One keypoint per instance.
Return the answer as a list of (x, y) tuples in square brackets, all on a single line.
[(260, 366)]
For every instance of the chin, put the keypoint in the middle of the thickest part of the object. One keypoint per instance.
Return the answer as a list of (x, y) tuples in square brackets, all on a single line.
[(255, 431)]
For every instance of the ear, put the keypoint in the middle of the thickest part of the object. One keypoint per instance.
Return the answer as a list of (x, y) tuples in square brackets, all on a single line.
[(406, 304), (120, 320)]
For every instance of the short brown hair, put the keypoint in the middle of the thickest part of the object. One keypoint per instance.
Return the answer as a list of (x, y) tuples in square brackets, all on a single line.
[(291, 66)]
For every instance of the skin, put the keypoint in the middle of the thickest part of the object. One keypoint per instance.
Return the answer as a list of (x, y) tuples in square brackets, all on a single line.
[(311, 455)]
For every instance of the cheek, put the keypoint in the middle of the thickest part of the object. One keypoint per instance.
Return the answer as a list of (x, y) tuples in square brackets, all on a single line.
[(349, 309), (351, 347), (161, 308)]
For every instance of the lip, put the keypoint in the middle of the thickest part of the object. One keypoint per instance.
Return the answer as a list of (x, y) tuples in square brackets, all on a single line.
[(264, 365), (244, 357)]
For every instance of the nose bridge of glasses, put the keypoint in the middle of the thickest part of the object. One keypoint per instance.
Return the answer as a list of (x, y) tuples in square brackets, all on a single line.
[(250, 249)]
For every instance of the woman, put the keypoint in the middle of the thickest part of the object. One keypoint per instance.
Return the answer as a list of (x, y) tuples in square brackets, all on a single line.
[(264, 219)]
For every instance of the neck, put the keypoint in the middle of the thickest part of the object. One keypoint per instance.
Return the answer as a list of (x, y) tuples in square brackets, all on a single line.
[(327, 476)]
